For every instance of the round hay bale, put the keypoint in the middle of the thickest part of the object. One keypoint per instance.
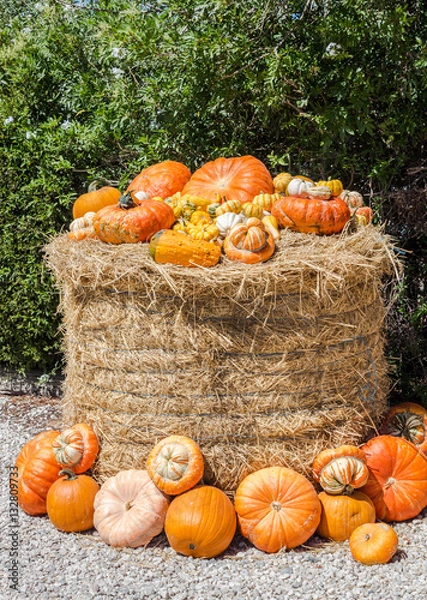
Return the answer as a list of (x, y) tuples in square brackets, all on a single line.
[(262, 364)]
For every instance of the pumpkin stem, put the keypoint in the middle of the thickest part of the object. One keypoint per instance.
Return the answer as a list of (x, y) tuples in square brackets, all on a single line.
[(128, 505), (70, 475), (126, 201), (276, 506)]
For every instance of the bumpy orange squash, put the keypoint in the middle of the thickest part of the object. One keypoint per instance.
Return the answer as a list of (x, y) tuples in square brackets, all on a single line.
[(311, 215), (174, 247)]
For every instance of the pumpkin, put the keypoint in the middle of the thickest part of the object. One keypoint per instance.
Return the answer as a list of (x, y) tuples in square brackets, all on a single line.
[(373, 543), (200, 217), (177, 248), (364, 215), (247, 246), (341, 470), (342, 514), (240, 178), (33, 445), (397, 483), (206, 232), (322, 217), (161, 179), (200, 522), (226, 221), (128, 223), (76, 447), (322, 192), (95, 199), (40, 471), (70, 501), (281, 181), (129, 509), (335, 186), (82, 222), (277, 508), (299, 187), (407, 420), (352, 199), (82, 234), (175, 464)]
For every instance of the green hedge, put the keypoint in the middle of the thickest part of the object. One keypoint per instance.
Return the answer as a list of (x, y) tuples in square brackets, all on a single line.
[(105, 88)]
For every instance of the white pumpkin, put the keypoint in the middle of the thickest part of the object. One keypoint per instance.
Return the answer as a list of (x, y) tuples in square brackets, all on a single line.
[(352, 199), (299, 187), (228, 220), (82, 222)]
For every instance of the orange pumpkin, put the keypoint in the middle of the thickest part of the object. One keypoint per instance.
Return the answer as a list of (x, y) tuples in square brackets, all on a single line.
[(162, 179), (277, 508), (373, 543), (129, 223), (76, 447), (93, 200), (40, 471), (311, 215), (175, 464), (240, 178), (340, 470), (342, 514), (408, 420), (397, 483), (201, 522), (364, 215), (70, 501), (249, 242)]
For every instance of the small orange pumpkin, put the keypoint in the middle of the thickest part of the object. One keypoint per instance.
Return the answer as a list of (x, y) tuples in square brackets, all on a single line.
[(373, 543), (70, 501), (342, 514), (247, 246), (200, 522), (175, 464)]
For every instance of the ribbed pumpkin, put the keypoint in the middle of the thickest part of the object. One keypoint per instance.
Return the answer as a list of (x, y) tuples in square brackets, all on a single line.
[(277, 508), (342, 514), (201, 522), (353, 199), (408, 420), (239, 178), (161, 179), (76, 447), (175, 464), (174, 247), (70, 501), (334, 185), (322, 217), (373, 543), (249, 242), (341, 470), (281, 181), (93, 200), (397, 483), (127, 223)]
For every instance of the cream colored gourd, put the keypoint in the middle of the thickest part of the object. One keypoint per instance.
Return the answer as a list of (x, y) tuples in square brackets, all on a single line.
[(352, 199), (82, 222), (299, 187), (322, 192), (228, 220)]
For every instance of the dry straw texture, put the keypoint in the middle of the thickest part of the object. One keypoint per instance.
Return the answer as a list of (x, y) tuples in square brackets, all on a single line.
[(262, 365)]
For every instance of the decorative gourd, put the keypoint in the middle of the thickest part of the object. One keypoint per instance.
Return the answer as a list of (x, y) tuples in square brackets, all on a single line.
[(200, 217), (70, 501), (397, 483), (364, 215), (128, 223), (206, 232), (177, 248), (342, 514), (212, 208), (175, 464), (161, 179), (265, 201), (248, 256), (226, 221), (277, 508), (335, 185), (240, 178), (201, 522), (95, 199), (280, 182), (322, 192), (250, 209), (271, 226), (373, 543), (82, 234), (408, 420), (129, 509), (322, 217), (234, 206), (82, 222), (341, 470), (299, 187), (187, 210), (76, 448), (352, 199), (40, 471), (248, 236)]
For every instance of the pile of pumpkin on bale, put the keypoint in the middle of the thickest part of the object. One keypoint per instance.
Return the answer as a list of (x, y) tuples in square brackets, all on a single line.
[(363, 489), (229, 206)]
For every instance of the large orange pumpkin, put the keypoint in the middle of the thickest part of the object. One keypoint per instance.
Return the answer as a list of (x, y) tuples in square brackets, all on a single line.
[(161, 179), (397, 483), (40, 471), (201, 522), (408, 420), (277, 508), (311, 215), (240, 178), (127, 223)]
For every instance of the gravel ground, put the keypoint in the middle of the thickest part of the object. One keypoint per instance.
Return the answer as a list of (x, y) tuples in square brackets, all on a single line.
[(59, 566)]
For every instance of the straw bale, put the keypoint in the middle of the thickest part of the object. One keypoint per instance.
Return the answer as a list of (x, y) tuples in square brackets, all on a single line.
[(261, 364)]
